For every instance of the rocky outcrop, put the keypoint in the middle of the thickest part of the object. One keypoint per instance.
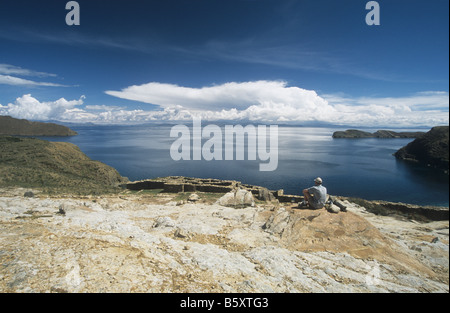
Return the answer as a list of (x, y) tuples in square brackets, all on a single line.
[(354, 133), (432, 149), (16, 127), (412, 211), (137, 242)]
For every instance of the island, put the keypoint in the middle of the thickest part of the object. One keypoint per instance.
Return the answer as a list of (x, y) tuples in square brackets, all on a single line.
[(354, 133), (21, 127)]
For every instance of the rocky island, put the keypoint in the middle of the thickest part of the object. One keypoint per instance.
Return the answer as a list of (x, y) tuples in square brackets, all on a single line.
[(179, 234), (20, 127), (354, 133)]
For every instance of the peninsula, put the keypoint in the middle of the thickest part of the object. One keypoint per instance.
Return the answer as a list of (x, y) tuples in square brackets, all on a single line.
[(431, 149), (20, 127), (57, 166)]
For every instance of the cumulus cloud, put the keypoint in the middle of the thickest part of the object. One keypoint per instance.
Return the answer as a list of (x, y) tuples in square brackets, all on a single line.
[(220, 97), (275, 101), (28, 107), (259, 101)]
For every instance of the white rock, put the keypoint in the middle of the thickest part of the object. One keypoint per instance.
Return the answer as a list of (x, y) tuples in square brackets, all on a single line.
[(237, 199), (143, 247), (164, 222)]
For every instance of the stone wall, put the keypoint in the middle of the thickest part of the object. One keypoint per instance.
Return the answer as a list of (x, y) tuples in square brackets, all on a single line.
[(176, 184)]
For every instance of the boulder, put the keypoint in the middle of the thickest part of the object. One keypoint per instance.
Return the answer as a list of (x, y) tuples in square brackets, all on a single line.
[(265, 195), (181, 233), (193, 197), (239, 198), (164, 222), (66, 207), (28, 194), (333, 208)]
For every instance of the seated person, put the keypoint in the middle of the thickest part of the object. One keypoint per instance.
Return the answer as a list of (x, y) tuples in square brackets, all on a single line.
[(315, 196)]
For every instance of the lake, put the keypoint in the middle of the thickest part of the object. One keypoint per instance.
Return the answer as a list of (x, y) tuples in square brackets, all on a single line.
[(363, 168)]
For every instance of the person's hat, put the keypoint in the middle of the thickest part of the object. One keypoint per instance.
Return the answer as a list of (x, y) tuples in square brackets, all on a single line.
[(318, 180)]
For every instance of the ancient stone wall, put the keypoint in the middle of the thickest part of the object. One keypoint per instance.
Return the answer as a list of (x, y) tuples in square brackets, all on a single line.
[(175, 184)]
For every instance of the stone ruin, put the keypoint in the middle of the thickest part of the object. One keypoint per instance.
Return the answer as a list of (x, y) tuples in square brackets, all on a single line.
[(176, 184)]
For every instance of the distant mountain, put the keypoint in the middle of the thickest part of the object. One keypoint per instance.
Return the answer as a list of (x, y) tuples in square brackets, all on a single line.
[(16, 127), (430, 149), (354, 133)]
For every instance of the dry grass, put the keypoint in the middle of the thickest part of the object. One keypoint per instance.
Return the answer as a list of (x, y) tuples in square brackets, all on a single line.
[(53, 167)]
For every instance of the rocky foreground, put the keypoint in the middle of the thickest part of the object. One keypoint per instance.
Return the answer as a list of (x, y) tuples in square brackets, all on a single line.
[(150, 242)]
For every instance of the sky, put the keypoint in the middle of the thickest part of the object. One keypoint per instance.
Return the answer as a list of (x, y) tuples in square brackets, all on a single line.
[(306, 62)]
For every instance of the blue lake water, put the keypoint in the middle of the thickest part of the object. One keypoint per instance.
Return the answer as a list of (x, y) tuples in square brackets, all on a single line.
[(362, 168)]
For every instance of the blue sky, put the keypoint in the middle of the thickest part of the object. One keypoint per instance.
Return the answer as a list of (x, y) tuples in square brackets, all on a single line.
[(311, 61)]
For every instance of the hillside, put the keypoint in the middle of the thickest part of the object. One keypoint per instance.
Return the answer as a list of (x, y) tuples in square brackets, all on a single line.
[(15, 127), (432, 149), (30, 162)]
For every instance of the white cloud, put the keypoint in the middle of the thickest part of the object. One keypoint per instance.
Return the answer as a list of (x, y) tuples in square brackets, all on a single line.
[(8, 69), (239, 96), (16, 81), (259, 101), (275, 101), (422, 100), (6, 78), (428, 108), (103, 108), (28, 107)]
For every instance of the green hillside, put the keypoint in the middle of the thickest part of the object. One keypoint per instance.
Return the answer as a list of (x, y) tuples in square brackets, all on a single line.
[(53, 166)]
